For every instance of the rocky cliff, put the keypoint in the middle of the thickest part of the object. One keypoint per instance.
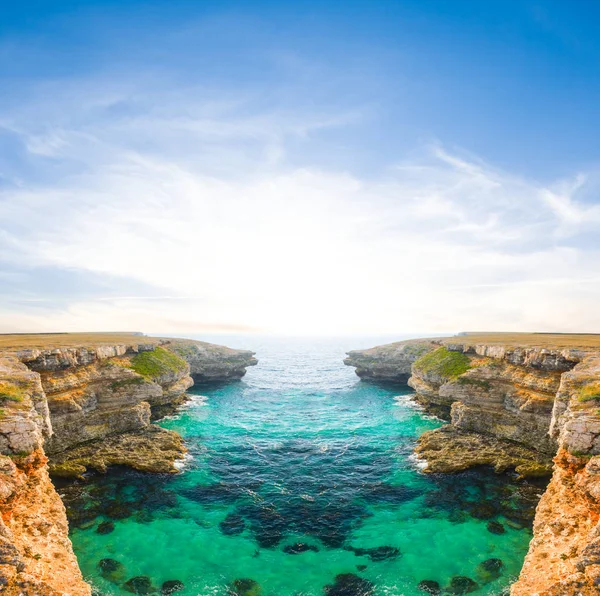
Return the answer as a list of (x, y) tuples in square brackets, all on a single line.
[(84, 401), (389, 362), (515, 402), (209, 362)]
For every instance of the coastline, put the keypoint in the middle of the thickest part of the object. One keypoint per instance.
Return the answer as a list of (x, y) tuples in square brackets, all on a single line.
[(78, 402), (525, 402)]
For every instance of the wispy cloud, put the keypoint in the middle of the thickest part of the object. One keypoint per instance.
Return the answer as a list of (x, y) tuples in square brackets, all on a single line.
[(214, 202)]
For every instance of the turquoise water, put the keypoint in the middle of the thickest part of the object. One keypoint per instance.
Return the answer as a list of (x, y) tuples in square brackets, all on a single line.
[(296, 475)]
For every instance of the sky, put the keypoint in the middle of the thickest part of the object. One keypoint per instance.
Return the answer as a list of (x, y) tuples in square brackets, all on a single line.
[(325, 168)]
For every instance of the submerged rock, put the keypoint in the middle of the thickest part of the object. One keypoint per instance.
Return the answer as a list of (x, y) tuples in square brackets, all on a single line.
[(232, 525), (388, 493), (299, 548), (171, 586), (430, 587), (245, 587), (112, 570), (140, 584), (489, 570), (378, 553), (118, 511), (461, 584), (495, 527), (105, 527), (217, 493), (483, 511), (348, 584)]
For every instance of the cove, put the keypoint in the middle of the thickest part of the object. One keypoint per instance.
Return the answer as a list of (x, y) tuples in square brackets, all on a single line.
[(296, 476)]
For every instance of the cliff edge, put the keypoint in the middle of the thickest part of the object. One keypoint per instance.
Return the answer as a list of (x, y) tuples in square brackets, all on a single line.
[(528, 402)]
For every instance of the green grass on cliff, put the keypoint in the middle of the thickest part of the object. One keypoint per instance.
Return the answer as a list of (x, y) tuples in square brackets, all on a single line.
[(157, 363), (590, 392), (444, 363), (183, 349), (11, 392), (417, 350)]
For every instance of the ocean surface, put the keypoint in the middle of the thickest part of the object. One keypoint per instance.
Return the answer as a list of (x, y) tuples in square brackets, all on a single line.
[(300, 481)]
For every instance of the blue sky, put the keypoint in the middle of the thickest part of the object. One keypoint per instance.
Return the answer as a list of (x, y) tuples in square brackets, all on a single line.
[(300, 167)]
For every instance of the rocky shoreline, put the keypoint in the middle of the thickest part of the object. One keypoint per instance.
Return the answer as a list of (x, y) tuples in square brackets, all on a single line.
[(523, 402), (70, 403)]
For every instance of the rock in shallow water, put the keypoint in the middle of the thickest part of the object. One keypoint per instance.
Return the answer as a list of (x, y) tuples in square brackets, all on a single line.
[(495, 527), (348, 584), (378, 553), (140, 584), (299, 548), (171, 586), (483, 511), (118, 510), (245, 587), (430, 586), (105, 528), (112, 570), (489, 570), (461, 584), (232, 525)]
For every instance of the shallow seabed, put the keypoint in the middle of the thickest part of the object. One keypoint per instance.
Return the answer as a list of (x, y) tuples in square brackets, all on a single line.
[(296, 475)]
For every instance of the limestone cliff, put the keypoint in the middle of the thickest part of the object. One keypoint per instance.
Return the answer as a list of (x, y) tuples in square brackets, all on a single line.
[(390, 362), (210, 362), (514, 401), (86, 401)]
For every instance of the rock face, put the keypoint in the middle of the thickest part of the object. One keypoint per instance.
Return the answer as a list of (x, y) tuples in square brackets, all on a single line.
[(36, 556), (564, 554), (515, 401), (95, 394), (87, 403), (490, 395)]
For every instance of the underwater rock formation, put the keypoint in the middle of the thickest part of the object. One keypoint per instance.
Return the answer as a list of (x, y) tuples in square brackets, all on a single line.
[(86, 401), (513, 402)]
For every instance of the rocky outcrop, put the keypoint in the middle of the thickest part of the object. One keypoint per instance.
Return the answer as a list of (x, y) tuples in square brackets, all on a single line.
[(448, 450), (86, 402), (390, 362), (514, 401), (209, 362), (151, 449)]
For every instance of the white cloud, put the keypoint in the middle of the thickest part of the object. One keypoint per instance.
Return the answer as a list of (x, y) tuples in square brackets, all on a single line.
[(198, 199)]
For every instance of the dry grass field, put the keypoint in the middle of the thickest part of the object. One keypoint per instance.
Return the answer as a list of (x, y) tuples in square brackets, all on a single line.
[(71, 340), (529, 340)]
